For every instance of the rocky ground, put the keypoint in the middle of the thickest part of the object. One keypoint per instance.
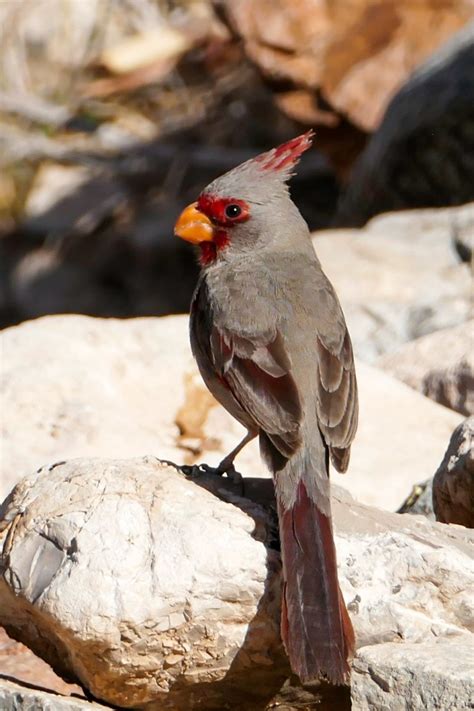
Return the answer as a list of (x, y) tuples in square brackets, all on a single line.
[(78, 388)]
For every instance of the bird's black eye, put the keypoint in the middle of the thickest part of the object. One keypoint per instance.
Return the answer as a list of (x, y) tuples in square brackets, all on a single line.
[(233, 211)]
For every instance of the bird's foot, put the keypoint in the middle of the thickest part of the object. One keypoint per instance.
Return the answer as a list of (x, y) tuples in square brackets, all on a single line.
[(230, 471), (194, 470), (223, 468)]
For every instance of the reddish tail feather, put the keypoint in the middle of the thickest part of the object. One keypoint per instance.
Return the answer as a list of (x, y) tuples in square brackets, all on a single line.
[(315, 625)]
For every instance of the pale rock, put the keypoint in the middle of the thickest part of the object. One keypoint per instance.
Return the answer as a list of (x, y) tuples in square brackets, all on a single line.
[(154, 590), (400, 277), (414, 677), (400, 439), (142, 584), (75, 386), (439, 365)]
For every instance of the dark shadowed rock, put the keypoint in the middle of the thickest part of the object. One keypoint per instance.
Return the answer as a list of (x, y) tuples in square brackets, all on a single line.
[(453, 483), (423, 153)]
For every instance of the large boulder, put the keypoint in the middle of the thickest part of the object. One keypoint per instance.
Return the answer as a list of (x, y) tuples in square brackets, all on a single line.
[(400, 277), (155, 591), (80, 387), (414, 677), (439, 365)]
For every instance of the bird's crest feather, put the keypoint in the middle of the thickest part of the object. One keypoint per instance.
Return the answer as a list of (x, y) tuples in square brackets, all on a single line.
[(284, 157)]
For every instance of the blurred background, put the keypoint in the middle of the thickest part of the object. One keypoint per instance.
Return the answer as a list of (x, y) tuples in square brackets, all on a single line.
[(116, 113)]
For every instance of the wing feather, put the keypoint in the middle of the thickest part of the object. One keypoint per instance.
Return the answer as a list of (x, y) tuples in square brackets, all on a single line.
[(337, 400), (255, 370)]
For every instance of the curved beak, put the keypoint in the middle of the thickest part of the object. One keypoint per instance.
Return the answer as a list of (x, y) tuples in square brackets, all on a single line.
[(193, 226)]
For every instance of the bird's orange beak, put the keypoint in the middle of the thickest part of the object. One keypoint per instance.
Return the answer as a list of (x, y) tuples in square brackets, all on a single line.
[(193, 225)]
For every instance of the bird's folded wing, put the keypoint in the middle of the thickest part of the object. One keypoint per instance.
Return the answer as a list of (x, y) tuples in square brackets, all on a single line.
[(257, 370), (337, 401)]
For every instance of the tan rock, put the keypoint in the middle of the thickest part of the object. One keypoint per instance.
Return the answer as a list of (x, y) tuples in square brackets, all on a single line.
[(356, 54), (19, 663), (151, 588), (439, 365)]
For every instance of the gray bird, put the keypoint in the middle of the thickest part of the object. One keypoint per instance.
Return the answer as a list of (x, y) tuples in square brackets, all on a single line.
[(272, 346)]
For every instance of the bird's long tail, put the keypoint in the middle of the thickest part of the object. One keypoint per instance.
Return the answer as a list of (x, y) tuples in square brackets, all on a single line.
[(316, 628)]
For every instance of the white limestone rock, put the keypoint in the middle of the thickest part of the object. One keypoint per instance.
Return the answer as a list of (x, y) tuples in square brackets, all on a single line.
[(153, 591), (414, 677), (400, 277), (439, 365)]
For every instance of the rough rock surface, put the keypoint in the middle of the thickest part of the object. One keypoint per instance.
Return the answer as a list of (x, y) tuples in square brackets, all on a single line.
[(339, 48), (453, 483), (151, 589), (16, 697), (421, 155), (401, 277), (414, 677), (122, 388), (439, 365)]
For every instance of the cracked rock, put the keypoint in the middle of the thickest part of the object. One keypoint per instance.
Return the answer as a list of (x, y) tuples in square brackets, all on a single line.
[(155, 591), (414, 677)]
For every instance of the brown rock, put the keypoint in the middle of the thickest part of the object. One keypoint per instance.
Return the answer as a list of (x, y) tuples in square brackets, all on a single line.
[(19, 662), (354, 54), (453, 483), (439, 365)]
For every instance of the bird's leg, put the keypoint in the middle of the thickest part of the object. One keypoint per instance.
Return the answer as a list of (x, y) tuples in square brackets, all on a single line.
[(227, 464)]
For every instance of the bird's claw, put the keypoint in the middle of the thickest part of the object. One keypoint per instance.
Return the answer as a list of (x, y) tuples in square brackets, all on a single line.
[(194, 470), (230, 471)]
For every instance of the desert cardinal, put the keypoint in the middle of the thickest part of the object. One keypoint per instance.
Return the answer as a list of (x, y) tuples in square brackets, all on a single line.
[(272, 346)]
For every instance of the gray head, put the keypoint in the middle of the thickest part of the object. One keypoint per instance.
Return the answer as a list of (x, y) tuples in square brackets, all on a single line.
[(248, 207)]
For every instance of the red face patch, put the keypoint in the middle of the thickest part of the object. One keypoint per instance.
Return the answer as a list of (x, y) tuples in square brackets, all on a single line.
[(224, 212)]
